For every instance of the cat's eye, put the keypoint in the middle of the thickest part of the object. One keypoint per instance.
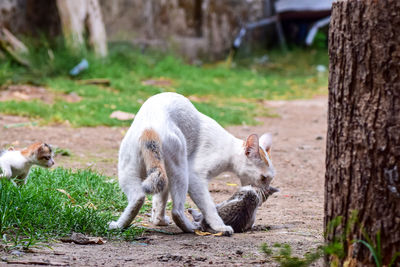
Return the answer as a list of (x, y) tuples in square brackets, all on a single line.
[(263, 178), (46, 157)]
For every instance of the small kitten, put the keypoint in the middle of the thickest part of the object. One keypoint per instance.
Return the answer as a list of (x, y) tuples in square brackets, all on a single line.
[(240, 210), (15, 164)]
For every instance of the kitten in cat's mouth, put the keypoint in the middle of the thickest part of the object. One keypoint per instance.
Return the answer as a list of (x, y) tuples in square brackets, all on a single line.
[(240, 210)]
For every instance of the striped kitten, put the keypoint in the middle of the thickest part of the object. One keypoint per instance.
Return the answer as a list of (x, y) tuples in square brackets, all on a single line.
[(240, 210)]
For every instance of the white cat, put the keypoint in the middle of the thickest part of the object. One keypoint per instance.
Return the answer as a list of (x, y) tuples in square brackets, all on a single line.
[(171, 145)]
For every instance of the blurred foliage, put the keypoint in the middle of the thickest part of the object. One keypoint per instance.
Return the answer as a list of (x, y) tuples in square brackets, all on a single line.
[(230, 94)]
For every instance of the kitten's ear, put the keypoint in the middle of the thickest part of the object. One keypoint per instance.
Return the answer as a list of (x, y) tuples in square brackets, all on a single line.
[(266, 142), (11, 148), (41, 147), (252, 147)]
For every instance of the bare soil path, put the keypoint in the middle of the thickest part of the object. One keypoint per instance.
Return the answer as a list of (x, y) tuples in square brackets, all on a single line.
[(294, 215)]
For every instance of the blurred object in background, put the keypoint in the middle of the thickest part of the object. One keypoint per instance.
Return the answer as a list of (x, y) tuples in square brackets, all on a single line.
[(301, 19), (195, 29), (83, 65), (39, 18)]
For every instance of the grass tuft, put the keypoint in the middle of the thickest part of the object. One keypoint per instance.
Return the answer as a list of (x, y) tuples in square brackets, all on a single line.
[(56, 202)]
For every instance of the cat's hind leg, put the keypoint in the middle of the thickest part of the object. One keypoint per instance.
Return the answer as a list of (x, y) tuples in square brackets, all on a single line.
[(158, 216), (179, 183), (132, 187)]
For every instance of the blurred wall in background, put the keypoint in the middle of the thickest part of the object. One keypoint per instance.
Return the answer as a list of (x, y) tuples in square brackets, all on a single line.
[(193, 28)]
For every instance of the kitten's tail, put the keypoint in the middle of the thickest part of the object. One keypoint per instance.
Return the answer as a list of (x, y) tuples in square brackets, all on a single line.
[(150, 146)]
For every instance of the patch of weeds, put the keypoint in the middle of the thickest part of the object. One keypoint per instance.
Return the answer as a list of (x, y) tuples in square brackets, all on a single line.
[(146, 208), (62, 151), (55, 203), (375, 248), (282, 253)]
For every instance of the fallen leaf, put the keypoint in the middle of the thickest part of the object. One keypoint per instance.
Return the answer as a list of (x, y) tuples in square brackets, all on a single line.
[(201, 233), (122, 116), (218, 234), (81, 239), (68, 195)]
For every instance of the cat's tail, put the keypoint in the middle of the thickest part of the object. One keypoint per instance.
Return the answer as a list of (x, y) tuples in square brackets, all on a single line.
[(150, 147)]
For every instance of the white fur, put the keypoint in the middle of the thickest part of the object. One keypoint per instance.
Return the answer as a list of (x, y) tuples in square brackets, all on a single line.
[(14, 165), (195, 148)]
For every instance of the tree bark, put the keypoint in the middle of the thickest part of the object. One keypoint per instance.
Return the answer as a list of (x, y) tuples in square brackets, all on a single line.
[(363, 147), (75, 15)]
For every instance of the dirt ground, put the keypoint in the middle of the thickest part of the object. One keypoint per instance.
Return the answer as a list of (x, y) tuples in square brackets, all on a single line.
[(293, 216)]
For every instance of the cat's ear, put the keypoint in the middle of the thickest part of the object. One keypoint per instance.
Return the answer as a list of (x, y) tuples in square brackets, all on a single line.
[(41, 148), (266, 142), (252, 147)]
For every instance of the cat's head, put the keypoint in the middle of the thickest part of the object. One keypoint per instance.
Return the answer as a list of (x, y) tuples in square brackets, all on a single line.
[(258, 169), (40, 153)]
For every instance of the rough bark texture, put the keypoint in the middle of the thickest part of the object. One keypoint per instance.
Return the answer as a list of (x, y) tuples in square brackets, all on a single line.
[(78, 15), (363, 144), (30, 17), (72, 16)]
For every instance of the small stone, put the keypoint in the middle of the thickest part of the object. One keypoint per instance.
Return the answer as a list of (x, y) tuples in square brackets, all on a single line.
[(200, 258), (239, 252), (17, 253), (319, 138)]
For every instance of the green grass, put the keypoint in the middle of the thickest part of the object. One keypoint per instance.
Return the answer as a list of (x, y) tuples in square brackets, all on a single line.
[(55, 203), (229, 95), (282, 254)]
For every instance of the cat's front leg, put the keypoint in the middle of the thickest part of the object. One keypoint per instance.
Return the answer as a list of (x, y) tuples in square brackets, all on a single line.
[(5, 171), (198, 191)]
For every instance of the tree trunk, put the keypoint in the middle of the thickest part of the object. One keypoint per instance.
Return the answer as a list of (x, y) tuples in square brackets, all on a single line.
[(76, 15), (363, 147), (95, 25)]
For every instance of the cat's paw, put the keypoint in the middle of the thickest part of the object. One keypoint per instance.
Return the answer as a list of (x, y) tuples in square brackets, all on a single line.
[(113, 225), (161, 221), (198, 226)]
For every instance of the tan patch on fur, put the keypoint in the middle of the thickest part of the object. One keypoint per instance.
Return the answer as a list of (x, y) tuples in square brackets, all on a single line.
[(148, 135), (31, 149), (151, 153), (41, 149), (263, 156), (149, 157)]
